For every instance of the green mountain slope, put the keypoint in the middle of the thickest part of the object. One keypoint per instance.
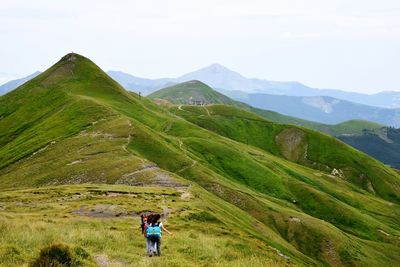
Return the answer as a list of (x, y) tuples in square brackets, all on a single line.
[(184, 93), (299, 145), (351, 127), (351, 132), (382, 144), (236, 189)]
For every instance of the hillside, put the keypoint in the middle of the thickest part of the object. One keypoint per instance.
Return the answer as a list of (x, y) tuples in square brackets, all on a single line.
[(322, 109), (184, 93), (81, 158), (382, 144), (351, 132)]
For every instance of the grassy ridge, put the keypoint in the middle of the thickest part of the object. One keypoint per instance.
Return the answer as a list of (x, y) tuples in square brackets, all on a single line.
[(183, 93), (262, 188)]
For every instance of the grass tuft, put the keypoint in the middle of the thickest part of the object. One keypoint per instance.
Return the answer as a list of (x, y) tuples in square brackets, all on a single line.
[(57, 255)]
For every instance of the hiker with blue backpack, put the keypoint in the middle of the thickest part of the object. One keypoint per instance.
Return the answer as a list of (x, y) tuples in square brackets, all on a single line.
[(154, 228)]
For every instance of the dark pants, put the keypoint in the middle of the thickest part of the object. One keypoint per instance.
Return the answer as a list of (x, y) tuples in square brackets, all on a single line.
[(156, 244)]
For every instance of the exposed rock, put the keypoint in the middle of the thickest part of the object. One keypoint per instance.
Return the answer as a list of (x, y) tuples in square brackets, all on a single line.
[(329, 249), (383, 232), (74, 162), (102, 261), (292, 144), (294, 219), (103, 211), (185, 196), (370, 187), (71, 57), (280, 253), (337, 172)]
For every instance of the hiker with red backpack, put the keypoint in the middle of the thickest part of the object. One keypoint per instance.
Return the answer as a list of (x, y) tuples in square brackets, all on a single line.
[(145, 220), (153, 232)]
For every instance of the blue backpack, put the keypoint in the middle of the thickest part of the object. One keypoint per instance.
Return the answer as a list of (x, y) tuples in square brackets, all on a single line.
[(153, 231)]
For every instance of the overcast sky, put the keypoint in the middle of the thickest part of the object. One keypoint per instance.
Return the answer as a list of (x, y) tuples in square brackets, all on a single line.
[(350, 45)]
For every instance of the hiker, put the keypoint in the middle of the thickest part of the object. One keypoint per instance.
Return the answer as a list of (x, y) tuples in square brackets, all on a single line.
[(153, 232), (145, 220)]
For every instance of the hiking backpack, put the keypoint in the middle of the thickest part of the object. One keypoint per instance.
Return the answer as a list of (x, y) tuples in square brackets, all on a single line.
[(153, 230), (143, 223)]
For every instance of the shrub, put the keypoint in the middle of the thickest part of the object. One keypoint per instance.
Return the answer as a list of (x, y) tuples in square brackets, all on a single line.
[(57, 255)]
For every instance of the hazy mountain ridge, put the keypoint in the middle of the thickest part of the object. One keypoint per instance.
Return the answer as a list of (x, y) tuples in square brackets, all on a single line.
[(136, 84), (11, 85), (383, 144), (323, 109), (222, 78)]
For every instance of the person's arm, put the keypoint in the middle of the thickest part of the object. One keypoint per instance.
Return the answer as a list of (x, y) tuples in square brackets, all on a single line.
[(166, 230)]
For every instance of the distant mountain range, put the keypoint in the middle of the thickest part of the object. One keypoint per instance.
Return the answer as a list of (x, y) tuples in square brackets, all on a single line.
[(220, 77), (289, 98), (11, 85), (323, 109), (136, 84)]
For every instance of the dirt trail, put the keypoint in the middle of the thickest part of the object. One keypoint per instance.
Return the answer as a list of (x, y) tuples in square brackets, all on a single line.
[(185, 153), (144, 168), (187, 167), (208, 112), (125, 147), (181, 144)]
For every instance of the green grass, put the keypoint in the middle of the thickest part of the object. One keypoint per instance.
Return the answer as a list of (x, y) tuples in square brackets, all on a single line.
[(239, 187), (33, 219), (184, 93), (321, 153)]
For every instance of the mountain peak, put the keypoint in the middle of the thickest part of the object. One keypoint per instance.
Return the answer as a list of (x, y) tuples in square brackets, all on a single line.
[(72, 57), (189, 91), (217, 66), (196, 83), (76, 73), (215, 75)]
